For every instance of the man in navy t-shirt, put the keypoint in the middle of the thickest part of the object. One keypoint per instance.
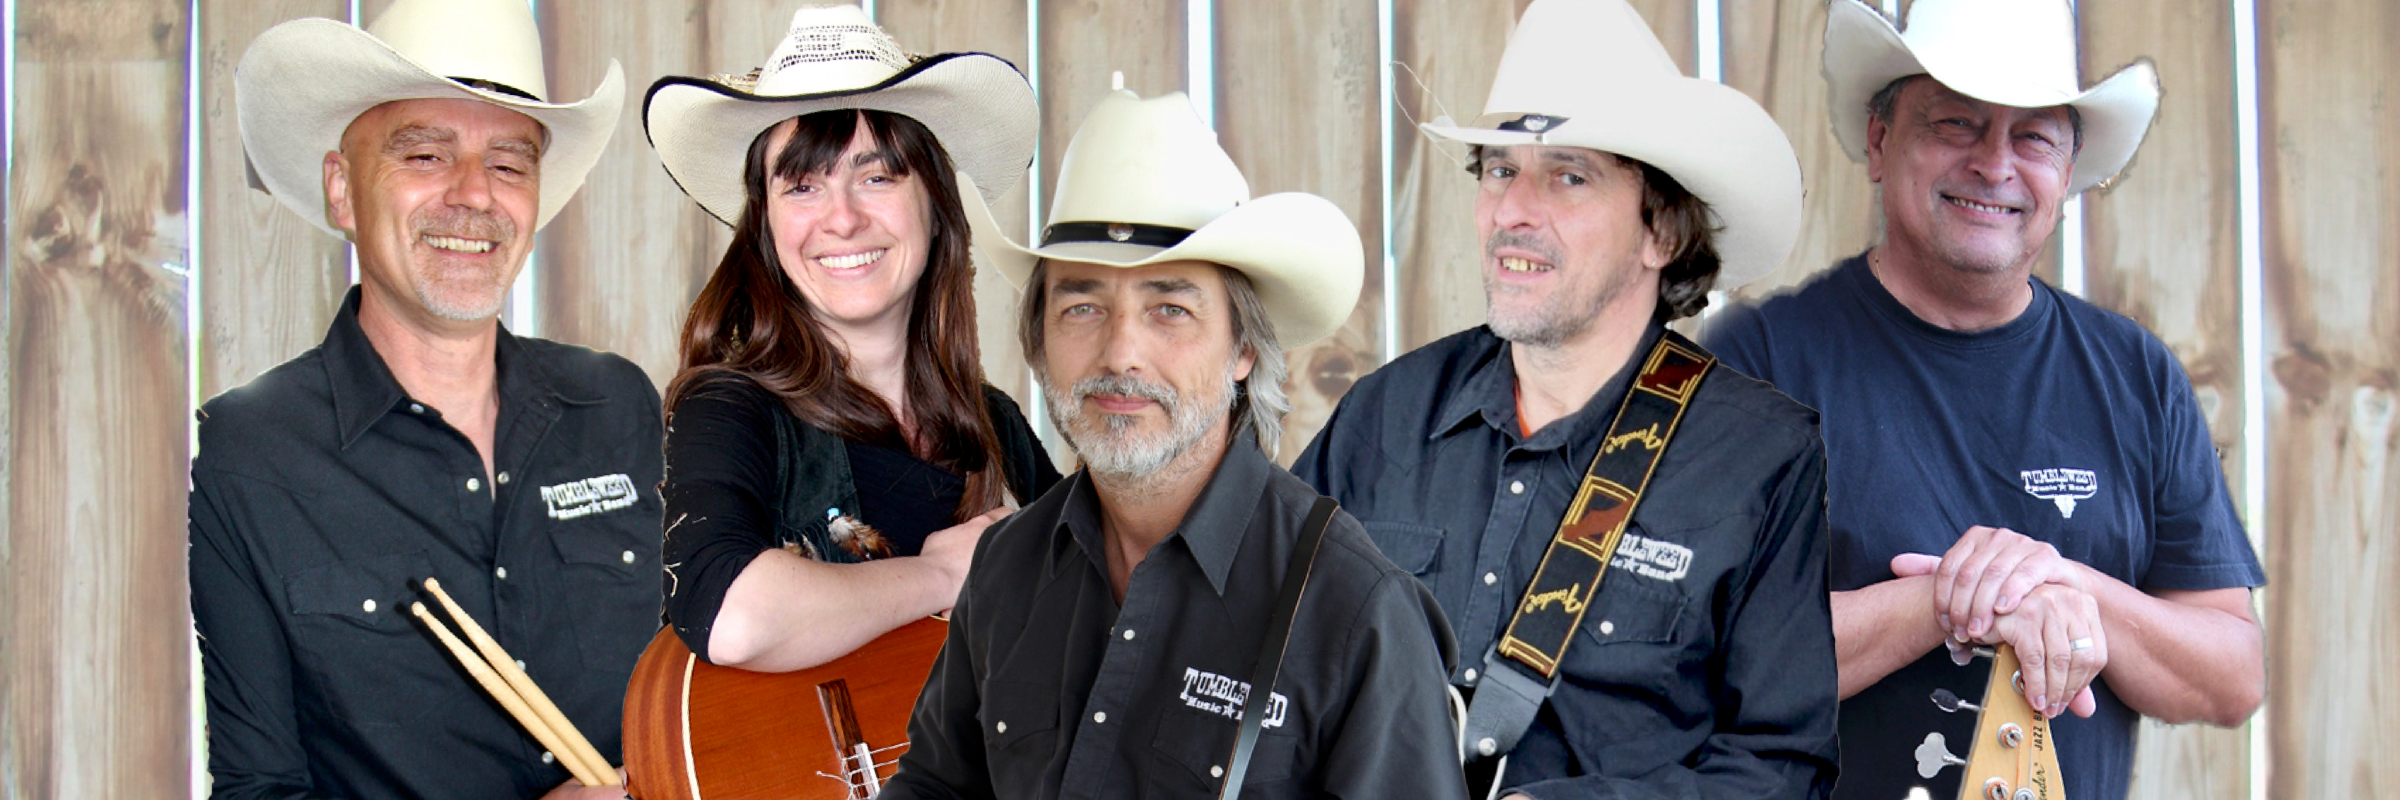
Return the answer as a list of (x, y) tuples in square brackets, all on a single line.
[(2006, 463)]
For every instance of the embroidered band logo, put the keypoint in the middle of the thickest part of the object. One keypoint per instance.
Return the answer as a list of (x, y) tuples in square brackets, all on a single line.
[(2061, 486), (1651, 558), (1223, 696), (589, 496)]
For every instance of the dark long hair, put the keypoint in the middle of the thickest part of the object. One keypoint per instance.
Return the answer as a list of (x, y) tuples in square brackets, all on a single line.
[(752, 322)]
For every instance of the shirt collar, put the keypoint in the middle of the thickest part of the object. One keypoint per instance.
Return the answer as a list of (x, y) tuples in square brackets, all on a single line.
[(1490, 391), (1212, 529), (364, 389)]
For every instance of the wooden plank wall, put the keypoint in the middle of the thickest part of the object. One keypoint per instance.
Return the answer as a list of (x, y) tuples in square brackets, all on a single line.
[(1318, 136), (94, 629), (90, 313), (2331, 176), (271, 280), (2163, 246)]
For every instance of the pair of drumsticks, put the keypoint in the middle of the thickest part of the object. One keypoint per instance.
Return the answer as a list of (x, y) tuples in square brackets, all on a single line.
[(508, 683)]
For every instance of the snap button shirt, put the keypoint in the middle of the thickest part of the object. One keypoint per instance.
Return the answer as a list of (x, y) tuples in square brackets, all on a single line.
[(1039, 640), (1704, 665), (323, 496)]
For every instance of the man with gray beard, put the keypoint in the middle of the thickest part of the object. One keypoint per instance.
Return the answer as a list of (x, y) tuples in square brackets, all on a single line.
[(1630, 540), (1105, 639), (421, 439)]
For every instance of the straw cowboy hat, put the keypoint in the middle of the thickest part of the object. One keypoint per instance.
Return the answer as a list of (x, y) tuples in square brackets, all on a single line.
[(2012, 52), (977, 105), (303, 82), (1589, 73), (1144, 182)]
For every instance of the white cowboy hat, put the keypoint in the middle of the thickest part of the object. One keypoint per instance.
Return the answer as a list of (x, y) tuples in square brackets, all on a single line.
[(977, 105), (2012, 52), (1591, 74), (303, 82), (1145, 182)]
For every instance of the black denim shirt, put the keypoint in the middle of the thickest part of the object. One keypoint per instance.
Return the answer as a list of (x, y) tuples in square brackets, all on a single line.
[(1705, 666), (1046, 688), (323, 495)]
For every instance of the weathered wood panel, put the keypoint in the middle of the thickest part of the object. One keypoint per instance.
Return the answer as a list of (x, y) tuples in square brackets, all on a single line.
[(93, 625), (270, 281), (1775, 52), (2163, 246), (2331, 183), (621, 263), (980, 26), (1297, 107), (1448, 51), (1082, 41)]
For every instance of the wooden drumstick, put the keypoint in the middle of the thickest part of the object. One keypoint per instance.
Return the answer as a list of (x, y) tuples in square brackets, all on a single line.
[(508, 698), (578, 749)]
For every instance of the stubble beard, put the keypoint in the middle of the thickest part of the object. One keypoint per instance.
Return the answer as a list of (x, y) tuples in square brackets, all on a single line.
[(451, 290), (1555, 318)]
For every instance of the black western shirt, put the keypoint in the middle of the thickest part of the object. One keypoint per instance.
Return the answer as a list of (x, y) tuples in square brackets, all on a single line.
[(1705, 666), (322, 496), (1047, 688)]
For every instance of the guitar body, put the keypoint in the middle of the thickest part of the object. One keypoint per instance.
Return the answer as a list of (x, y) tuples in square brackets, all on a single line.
[(697, 731)]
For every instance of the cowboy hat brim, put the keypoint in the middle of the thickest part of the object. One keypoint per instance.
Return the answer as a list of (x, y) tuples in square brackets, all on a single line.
[(977, 105), (1711, 138), (1292, 246), (1864, 52), (302, 83)]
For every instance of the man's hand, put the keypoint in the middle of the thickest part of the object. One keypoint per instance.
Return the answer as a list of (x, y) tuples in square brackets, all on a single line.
[(2044, 627), (576, 791), (1988, 572)]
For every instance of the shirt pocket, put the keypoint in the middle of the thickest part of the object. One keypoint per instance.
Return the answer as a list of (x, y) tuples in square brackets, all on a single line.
[(1631, 636), (611, 584), (352, 637), (1408, 545), (1195, 747), (1020, 734), (361, 594)]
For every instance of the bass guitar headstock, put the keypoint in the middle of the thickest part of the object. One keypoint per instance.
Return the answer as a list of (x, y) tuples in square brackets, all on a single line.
[(2012, 756)]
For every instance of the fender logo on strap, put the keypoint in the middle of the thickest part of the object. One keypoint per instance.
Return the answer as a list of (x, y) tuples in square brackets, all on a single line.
[(1589, 534)]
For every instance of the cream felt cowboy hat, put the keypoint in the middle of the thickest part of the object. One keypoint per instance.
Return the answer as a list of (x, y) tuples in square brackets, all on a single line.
[(1590, 74), (1144, 182), (303, 82), (976, 104), (2012, 52)]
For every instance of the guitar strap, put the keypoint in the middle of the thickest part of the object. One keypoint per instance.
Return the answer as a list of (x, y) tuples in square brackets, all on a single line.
[(1522, 668), (1279, 634)]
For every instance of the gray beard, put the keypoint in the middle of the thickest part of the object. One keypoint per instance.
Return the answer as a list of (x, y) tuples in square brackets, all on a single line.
[(1109, 444)]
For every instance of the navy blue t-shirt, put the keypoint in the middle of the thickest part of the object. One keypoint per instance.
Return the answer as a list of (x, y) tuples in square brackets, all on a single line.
[(2069, 424)]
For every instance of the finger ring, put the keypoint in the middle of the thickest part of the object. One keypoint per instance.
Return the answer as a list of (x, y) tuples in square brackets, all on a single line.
[(2080, 645)]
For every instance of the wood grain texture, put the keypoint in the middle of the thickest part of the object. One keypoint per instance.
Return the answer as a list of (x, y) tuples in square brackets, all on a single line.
[(2162, 246), (270, 281), (1297, 108), (1448, 52), (998, 28), (94, 626), (1775, 52), (620, 264), (2331, 184)]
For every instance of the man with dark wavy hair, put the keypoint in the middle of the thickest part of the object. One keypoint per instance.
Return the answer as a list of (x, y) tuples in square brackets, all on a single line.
[(1629, 542)]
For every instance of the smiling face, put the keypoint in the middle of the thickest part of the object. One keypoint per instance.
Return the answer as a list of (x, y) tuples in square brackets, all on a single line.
[(1138, 364), (440, 197), (1563, 241), (853, 237), (1973, 185)]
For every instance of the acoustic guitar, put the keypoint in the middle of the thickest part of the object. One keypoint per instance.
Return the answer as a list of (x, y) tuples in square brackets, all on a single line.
[(698, 731), (2010, 755)]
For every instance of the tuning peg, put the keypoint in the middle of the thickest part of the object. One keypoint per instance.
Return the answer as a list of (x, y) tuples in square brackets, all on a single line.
[(1950, 702), (1933, 755), (1961, 654)]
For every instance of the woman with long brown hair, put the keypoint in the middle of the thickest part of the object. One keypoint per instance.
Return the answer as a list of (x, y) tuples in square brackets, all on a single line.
[(833, 453)]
